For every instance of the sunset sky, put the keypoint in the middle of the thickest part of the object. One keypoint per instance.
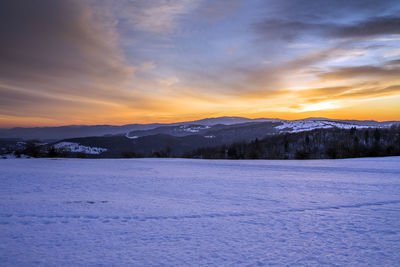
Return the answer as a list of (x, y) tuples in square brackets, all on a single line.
[(140, 61)]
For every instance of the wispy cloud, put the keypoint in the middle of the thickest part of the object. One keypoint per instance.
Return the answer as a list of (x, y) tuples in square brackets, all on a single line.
[(59, 55), (155, 16), (291, 29), (362, 71), (101, 61)]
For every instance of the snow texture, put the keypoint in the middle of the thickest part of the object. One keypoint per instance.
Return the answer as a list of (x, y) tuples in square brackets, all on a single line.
[(75, 147), (12, 156), (179, 212), (308, 125), (193, 129), (131, 137)]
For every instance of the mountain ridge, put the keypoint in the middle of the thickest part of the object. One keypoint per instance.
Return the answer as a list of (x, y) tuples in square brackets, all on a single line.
[(51, 133)]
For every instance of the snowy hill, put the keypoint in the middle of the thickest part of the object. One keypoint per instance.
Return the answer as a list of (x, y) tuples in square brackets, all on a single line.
[(75, 147), (179, 212), (204, 127), (308, 125), (227, 121), (74, 131), (256, 128), (71, 131), (321, 123)]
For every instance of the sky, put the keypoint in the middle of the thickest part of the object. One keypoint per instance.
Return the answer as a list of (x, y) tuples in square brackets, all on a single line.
[(140, 61)]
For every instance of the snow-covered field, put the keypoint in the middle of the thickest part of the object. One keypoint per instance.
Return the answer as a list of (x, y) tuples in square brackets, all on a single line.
[(160, 212)]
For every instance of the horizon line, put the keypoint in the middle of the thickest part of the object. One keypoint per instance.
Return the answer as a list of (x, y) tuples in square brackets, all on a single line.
[(177, 122)]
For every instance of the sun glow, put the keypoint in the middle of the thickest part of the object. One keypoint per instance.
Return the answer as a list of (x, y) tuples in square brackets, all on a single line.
[(172, 61), (318, 106)]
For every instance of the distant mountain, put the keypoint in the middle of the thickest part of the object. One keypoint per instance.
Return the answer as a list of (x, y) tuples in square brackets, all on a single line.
[(256, 128), (62, 132), (226, 121), (74, 131), (147, 146), (180, 139), (175, 140), (227, 129), (168, 140)]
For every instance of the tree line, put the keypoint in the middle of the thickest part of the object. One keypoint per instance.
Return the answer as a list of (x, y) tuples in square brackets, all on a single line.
[(317, 144)]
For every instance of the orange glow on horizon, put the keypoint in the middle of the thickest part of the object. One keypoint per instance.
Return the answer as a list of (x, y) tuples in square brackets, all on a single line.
[(379, 110)]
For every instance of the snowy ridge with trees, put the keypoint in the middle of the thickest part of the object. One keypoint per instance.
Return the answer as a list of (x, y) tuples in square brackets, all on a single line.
[(184, 140), (308, 125), (177, 128), (315, 144), (74, 147)]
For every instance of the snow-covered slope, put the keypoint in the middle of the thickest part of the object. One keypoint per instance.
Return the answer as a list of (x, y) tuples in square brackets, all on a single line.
[(308, 125), (67, 132), (13, 156), (174, 212), (193, 128), (320, 123), (75, 147), (226, 121)]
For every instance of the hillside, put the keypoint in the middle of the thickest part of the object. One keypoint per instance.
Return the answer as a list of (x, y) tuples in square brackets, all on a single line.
[(51, 134), (208, 140)]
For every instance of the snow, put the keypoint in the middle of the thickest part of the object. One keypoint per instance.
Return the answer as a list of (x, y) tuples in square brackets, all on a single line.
[(131, 137), (181, 212), (193, 129), (308, 125), (12, 156), (75, 147)]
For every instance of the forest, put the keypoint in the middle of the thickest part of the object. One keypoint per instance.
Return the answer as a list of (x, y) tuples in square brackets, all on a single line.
[(329, 143), (317, 144)]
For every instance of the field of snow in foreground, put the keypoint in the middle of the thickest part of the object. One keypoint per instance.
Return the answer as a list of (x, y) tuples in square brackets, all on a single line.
[(152, 212)]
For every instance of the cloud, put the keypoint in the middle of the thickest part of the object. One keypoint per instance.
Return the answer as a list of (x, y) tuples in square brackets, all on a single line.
[(370, 27), (362, 71), (285, 29), (261, 81), (154, 16), (121, 58), (147, 66), (383, 83), (329, 8), (326, 92), (392, 53), (275, 79), (290, 30), (395, 62), (372, 92), (340, 19), (321, 95), (57, 38), (169, 81), (350, 32), (59, 49), (214, 11)]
